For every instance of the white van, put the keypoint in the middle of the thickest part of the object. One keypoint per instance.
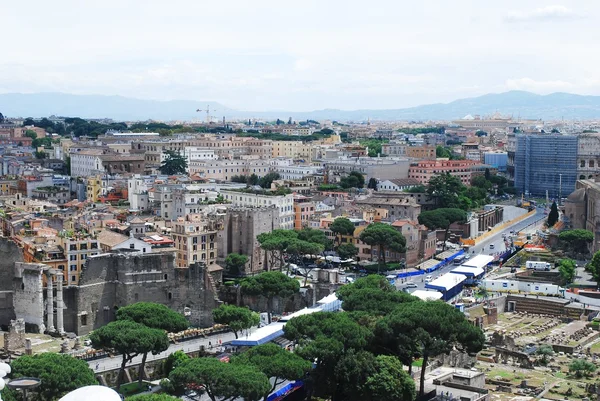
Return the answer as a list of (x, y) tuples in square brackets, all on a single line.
[(537, 265), (428, 278)]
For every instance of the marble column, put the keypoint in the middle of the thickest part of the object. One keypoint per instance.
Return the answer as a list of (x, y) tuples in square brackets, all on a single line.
[(50, 302), (59, 303)]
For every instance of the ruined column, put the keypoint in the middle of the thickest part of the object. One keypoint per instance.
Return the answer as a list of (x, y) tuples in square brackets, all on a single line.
[(50, 302), (59, 304)]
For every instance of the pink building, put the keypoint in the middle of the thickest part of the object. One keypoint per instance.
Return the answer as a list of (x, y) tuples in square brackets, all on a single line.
[(423, 171)]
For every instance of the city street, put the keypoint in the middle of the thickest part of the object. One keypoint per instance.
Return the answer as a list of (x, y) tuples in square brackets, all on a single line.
[(529, 225), (104, 364)]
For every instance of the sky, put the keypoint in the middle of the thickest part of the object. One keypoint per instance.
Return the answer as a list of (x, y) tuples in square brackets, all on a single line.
[(300, 55)]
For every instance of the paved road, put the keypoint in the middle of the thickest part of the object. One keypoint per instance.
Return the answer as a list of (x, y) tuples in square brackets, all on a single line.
[(530, 224), (104, 364)]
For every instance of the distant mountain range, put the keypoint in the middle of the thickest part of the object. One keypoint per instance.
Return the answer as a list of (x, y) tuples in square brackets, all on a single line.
[(515, 103)]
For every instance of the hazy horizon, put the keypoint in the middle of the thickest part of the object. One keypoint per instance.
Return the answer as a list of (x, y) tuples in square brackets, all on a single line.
[(300, 56)]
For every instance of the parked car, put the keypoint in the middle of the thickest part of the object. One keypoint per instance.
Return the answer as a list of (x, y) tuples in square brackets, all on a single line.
[(411, 285), (428, 278)]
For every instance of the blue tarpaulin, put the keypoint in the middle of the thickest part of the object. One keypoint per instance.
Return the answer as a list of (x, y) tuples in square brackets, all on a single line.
[(285, 390)]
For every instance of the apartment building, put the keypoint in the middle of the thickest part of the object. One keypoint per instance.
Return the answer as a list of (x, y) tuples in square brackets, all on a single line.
[(421, 152), (77, 249), (294, 172), (425, 170), (370, 167), (284, 203), (195, 238), (224, 169), (293, 149)]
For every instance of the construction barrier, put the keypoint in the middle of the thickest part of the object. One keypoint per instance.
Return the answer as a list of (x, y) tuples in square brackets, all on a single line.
[(501, 227)]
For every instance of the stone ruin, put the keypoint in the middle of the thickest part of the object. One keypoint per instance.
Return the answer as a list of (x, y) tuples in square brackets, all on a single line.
[(505, 355), (14, 339), (502, 339), (562, 339)]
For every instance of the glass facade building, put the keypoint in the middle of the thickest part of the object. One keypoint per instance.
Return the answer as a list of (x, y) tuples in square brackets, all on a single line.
[(546, 163)]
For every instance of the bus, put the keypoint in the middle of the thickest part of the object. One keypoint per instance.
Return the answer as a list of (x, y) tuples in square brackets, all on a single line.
[(459, 259)]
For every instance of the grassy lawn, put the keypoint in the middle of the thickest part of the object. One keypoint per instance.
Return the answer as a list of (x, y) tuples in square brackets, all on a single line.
[(418, 363), (595, 348), (133, 388)]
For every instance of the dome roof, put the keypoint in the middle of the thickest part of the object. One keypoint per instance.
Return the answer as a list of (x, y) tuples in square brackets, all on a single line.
[(577, 196), (92, 393)]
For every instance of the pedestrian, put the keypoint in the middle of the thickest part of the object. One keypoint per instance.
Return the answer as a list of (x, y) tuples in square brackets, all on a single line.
[(97, 366)]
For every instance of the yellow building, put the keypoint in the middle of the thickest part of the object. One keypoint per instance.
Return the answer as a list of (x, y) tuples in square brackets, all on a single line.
[(195, 240), (77, 249), (94, 188), (293, 149)]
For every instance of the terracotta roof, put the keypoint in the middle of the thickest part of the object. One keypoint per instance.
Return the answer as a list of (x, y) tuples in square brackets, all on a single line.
[(111, 238)]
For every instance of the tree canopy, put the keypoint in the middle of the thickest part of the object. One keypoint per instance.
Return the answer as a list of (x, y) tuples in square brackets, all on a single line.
[(156, 316), (276, 363), (235, 264), (153, 397), (236, 317), (385, 237), (433, 328), (577, 240), (567, 271), (270, 285), (347, 251), (373, 294), (341, 226), (59, 373), (594, 267), (444, 189), (174, 163), (354, 180), (553, 215), (226, 381), (442, 218), (129, 339)]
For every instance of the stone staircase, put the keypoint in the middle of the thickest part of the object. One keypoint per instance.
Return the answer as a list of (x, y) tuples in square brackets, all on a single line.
[(545, 306)]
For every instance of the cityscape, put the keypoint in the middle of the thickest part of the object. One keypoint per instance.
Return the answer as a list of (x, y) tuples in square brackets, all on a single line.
[(284, 217)]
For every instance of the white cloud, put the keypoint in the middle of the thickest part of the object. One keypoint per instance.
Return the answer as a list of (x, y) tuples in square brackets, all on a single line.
[(548, 13), (541, 87)]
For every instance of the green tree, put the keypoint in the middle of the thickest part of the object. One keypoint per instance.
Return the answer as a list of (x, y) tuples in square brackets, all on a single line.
[(341, 226), (594, 267), (553, 215), (372, 183), (226, 381), (481, 182), (31, 134), (276, 363), (270, 285), (444, 189), (389, 381), (253, 179), (481, 133), (236, 317), (567, 271), (577, 240), (582, 367), (442, 219), (354, 180), (417, 189), (443, 152), (235, 264), (544, 351), (59, 373), (299, 248), (129, 339), (372, 294), (276, 243), (429, 329), (174, 163), (155, 316), (347, 251), (174, 360), (326, 338), (152, 397), (39, 154), (268, 179), (385, 237)]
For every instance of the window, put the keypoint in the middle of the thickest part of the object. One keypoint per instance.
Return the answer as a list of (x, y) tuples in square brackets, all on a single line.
[(73, 278), (73, 268), (131, 246), (170, 296), (84, 318)]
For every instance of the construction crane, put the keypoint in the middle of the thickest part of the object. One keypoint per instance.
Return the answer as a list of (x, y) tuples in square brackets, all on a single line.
[(208, 110)]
